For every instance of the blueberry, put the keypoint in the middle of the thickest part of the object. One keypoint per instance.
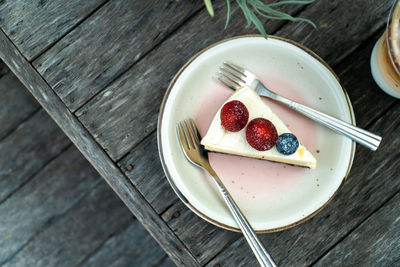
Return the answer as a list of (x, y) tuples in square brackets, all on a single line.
[(287, 144)]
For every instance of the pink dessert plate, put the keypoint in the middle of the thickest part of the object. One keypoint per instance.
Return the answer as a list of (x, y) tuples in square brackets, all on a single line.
[(273, 196)]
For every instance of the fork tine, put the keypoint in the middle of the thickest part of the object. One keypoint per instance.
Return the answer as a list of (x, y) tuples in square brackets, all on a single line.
[(229, 83), (181, 136), (237, 68), (194, 132), (232, 73), (232, 79), (188, 135)]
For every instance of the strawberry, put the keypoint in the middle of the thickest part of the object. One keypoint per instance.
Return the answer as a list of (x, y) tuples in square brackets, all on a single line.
[(261, 134), (234, 116)]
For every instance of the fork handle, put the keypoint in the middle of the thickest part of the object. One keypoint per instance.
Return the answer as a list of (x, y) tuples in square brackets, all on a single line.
[(357, 134), (256, 246)]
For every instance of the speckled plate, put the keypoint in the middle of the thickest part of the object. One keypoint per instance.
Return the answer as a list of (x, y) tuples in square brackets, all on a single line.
[(273, 196)]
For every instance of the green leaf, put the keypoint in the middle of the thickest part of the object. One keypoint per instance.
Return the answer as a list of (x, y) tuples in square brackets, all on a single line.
[(209, 7), (252, 8), (266, 11), (228, 13), (258, 24), (299, 2), (246, 11)]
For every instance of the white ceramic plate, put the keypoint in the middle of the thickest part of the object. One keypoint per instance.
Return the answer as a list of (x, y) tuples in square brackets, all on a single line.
[(273, 196)]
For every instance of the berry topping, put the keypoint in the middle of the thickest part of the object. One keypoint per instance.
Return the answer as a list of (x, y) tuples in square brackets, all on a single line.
[(234, 116), (287, 144), (261, 134)]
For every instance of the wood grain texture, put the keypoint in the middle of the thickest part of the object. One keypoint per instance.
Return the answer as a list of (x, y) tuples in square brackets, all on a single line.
[(119, 105), (377, 240), (16, 104), (102, 47), (94, 153), (130, 247), (27, 150), (368, 100), (49, 195), (202, 238), (342, 26), (136, 247), (3, 69), (369, 185), (34, 25), (85, 227), (143, 167)]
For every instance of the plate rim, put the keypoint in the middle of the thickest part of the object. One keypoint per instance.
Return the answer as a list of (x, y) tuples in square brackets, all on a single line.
[(165, 168)]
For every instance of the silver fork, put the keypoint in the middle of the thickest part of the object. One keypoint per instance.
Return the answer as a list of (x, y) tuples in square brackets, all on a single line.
[(189, 141), (235, 77)]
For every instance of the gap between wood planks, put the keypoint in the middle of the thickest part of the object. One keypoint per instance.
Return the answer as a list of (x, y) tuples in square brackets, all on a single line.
[(35, 173), (111, 235), (375, 210), (30, 115), (160, 43), (66, 33), (353, 229), (140, 58), (51, 221), (381, 114)]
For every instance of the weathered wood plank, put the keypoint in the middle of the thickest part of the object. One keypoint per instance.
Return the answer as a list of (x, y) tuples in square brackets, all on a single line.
[(119, 107), (105, 45), (128, 246), (360, 196), (377, 241), (84, 227), (367, 98), (202, 238), (3, 69), (27, 150), (143, 168), (16, 104), (166, 262), (34, 25), (94, 153), (342, 26), (131, 247), (49, 195)]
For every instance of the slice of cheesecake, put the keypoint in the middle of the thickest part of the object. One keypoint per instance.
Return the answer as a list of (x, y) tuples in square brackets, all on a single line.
[(219, 139)]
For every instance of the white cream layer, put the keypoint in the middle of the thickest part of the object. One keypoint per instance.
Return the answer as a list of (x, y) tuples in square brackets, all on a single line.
[(220, 140)]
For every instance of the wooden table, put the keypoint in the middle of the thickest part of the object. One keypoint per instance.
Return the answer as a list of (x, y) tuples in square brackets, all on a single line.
[(100, 69)]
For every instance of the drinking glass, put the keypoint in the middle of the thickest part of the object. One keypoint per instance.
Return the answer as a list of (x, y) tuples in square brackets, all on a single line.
[(385, 57)]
